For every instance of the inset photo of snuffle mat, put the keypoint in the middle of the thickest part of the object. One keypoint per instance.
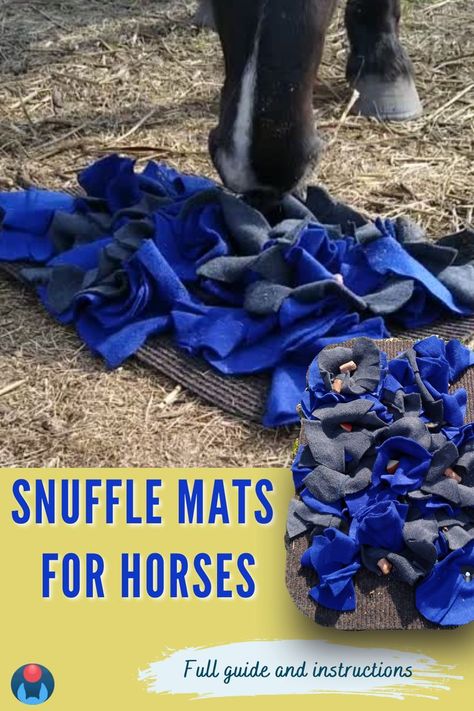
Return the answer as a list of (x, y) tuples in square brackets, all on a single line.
[(380, 532)]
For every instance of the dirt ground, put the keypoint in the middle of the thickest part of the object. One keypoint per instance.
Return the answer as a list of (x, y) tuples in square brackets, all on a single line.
[(82, 78)]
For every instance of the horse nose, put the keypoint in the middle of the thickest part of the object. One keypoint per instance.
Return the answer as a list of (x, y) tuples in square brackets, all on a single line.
[(271, 165), (234, 176), (235, 172)]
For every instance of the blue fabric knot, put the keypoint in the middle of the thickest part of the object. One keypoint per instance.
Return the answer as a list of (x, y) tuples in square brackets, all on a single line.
[(412, 464), (335, 558), (367, 380), (118, 325), (430, 369), (446, 596), (380, 525)]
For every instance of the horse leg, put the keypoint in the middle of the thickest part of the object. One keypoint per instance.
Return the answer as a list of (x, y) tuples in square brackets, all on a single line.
[(204, 15), (378, 65)]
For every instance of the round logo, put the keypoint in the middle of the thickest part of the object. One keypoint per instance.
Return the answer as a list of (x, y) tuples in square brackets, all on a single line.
[(32, 684)]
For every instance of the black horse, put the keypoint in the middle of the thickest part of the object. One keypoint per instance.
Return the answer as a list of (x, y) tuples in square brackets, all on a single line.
[(266, 138)]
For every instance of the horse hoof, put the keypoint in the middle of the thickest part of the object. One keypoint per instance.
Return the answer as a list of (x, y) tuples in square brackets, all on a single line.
[(396, 100)]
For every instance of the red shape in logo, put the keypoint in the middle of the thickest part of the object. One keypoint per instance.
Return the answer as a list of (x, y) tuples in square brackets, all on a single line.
[(32, 673)]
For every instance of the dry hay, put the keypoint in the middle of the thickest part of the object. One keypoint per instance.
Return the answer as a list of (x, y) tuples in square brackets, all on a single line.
[(79, 79)]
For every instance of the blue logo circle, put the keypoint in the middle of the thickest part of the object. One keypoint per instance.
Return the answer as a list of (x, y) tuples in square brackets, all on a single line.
[(32, 684)]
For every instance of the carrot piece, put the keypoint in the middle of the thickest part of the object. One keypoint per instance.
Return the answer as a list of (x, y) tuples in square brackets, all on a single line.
[(348, 367), (392, 466), (451, 474), (385, 566)]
